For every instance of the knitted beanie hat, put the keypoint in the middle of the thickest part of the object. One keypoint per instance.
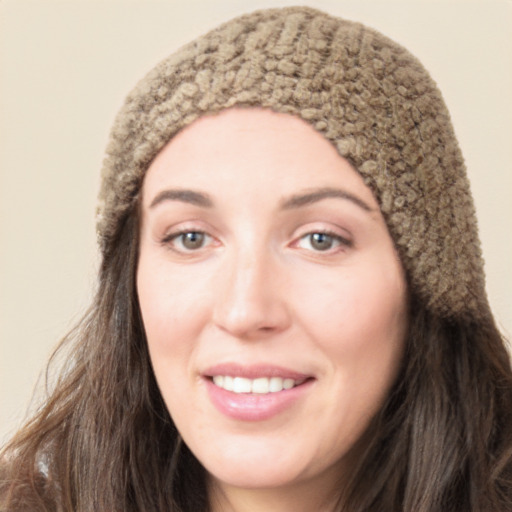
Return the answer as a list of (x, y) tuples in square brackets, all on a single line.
[(363, 92)]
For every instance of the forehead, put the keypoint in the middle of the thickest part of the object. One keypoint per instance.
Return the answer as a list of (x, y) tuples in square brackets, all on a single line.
[(252, 149)]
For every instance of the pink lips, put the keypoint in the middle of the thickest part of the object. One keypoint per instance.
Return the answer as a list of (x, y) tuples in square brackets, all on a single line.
[(251, 406)]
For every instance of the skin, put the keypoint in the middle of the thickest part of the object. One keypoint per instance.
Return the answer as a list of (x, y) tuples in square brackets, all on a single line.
[(258, 288)]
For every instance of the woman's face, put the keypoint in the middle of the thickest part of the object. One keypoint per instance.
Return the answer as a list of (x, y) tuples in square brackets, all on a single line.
[(272, 297)]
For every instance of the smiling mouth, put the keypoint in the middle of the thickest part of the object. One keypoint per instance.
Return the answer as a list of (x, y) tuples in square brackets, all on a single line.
[(260, 385), (255, 392)]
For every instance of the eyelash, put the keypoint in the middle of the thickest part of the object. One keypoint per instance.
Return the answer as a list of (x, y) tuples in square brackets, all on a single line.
[(169, 240), (337, 240), (340, 241)]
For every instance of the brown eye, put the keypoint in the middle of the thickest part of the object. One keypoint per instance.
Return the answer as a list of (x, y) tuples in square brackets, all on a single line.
[(190, 240), (321, 242)]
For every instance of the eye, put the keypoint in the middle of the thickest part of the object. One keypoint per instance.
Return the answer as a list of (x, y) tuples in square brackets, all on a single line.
[(321, 241), (188, 241)]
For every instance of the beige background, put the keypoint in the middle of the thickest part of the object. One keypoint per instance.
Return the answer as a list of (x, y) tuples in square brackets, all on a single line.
[(65, 67)]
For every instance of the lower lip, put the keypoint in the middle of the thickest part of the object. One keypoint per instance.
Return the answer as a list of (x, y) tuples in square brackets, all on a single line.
[(254, 407)]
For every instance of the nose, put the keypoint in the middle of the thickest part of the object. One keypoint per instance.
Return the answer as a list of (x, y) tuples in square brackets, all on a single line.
[(250, 301)]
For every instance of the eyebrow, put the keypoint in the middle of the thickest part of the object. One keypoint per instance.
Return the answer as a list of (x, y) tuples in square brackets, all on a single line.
[(184, 196), (300, 200), (296, 201)]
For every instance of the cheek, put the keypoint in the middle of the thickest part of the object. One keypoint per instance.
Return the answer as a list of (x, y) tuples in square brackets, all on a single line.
[(358, 319), (169, 310), (170, 301)]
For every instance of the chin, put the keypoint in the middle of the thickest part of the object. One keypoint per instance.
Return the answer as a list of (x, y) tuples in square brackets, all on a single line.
[(255, 477), (262, 464)]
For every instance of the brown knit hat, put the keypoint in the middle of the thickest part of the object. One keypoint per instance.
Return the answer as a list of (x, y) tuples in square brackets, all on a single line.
[(363, 92)]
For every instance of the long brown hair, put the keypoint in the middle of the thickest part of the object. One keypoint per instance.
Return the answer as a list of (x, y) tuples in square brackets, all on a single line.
[(104, 440)]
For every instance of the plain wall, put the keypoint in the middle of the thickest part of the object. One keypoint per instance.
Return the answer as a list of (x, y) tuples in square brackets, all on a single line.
[(65, 67)]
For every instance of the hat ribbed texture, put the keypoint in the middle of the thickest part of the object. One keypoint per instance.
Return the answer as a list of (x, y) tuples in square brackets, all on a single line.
[(367, 95)]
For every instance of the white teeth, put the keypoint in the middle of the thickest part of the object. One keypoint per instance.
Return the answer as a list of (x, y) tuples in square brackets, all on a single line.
[(275, 384), (261, 385), (288, 383), (228, 383), (241, 385)]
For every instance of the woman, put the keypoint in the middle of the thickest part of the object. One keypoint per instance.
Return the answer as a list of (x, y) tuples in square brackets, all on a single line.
[(291, 312)]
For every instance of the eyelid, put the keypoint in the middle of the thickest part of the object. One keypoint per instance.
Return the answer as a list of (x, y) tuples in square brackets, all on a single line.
[(175, 232), (171, 242), (169, 227), (343, 242)]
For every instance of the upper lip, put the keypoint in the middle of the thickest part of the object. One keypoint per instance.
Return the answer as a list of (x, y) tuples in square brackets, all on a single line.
[(254, 371)]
